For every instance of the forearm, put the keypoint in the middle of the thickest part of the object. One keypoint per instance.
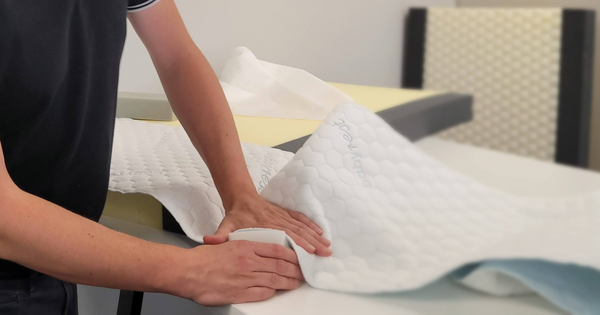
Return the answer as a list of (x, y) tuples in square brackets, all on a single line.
[(196, 97), (200, 104), (198, 100), (47, 238)]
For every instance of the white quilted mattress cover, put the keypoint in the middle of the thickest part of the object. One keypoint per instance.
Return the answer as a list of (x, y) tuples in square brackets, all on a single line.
[(397, 218)]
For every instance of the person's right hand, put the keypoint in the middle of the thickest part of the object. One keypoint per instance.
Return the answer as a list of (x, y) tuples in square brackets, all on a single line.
[(239, 272)]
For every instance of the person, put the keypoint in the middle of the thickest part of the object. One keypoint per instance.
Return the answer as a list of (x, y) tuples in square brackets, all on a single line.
[(59, 64)]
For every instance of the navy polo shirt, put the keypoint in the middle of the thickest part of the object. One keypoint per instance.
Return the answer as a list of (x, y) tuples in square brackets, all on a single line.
[(59, 69)]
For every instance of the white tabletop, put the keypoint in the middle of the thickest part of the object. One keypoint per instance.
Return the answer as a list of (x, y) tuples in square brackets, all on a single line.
[(518, 175)]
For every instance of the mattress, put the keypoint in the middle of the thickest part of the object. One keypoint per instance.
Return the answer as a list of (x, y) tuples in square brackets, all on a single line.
[(397, 218), (426, 113)]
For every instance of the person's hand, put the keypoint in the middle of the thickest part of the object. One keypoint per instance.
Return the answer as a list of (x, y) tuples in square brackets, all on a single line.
[(239, 272), (256, 212)]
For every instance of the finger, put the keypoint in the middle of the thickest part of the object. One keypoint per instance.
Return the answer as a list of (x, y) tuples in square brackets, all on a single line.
[(280, 267), (222, 234), (306, 241), (275, 251), (300, 241), (310, 231), (255, 294), (304, 219), (215, 239), (275, 281)]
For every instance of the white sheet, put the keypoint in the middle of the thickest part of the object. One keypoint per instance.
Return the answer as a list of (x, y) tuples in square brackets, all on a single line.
[(259, 88)]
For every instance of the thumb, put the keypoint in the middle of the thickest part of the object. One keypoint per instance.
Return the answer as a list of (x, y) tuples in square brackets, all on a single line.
[(222, 234)]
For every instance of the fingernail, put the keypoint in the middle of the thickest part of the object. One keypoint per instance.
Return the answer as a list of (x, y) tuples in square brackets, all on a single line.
[(311, 248)]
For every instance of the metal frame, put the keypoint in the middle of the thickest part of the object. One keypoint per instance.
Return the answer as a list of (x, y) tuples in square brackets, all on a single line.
[(130, 303)]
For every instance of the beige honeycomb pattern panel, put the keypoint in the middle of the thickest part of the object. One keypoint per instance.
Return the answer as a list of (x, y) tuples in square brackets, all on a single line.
[(509, 60)]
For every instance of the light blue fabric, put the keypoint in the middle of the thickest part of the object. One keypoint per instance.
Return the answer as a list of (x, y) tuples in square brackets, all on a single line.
[(573, 288)]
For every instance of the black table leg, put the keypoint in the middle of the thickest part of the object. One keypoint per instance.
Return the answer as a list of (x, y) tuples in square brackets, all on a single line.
[(130, 303)]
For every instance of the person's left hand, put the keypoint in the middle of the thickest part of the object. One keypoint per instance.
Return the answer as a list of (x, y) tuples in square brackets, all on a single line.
[(254, 211)]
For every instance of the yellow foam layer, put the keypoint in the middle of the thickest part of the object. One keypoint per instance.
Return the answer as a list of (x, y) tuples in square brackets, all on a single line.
[(379, 98), (264, 131), (138, 208)]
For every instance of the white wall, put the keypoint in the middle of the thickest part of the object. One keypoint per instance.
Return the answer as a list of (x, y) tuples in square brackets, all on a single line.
[(348, 41)]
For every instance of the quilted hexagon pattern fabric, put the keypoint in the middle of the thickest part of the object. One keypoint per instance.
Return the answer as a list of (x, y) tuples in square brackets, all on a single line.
[(509, 60), (161, 161), (397, 218)]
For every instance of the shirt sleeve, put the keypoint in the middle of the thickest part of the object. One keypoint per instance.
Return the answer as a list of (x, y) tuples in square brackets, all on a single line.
[(139, 5)]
